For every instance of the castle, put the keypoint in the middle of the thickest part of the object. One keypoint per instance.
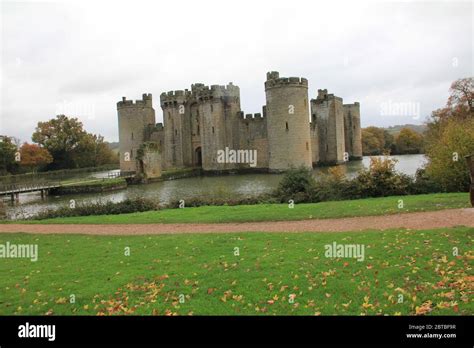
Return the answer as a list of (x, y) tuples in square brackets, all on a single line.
[(201, 123)]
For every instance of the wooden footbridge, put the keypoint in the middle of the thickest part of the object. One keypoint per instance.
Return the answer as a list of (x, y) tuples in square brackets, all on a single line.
[(14, 189)]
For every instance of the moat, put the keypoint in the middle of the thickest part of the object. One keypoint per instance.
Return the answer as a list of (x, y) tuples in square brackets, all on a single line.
[(210, 186)]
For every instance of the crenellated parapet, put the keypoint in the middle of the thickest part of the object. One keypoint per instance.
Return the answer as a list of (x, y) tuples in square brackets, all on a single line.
[(323, 96), (355, 104), (199, 93), (146, 101), (249, 117), (173, 98), (275, 81)]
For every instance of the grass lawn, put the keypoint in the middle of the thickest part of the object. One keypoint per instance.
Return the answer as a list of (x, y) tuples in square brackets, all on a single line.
[(280, 212), (273, 273)]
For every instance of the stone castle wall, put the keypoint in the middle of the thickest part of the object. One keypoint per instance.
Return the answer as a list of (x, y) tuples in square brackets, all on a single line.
[(199, 122), (253, 136), (352, 130), (134, 118), (328, 115), (287, 122), (314, 134)]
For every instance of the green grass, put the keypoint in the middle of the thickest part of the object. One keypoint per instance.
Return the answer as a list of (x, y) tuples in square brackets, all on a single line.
[(270, 268), (279, 212)]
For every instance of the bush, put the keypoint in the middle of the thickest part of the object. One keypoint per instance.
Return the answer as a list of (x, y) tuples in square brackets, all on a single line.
[(448, 142), (3, 212), (424, 183), (297, 184), (381, 179), (211, 201), (100, 208), (331, 187)]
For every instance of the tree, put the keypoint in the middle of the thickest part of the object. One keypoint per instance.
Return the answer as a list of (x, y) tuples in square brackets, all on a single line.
[(408, 141), (462, 96), (460, 104), (60, 136), (450, 137), (93, 151), (370, 143), (34, 157), (376, 141), (8, 158), (70, 145)]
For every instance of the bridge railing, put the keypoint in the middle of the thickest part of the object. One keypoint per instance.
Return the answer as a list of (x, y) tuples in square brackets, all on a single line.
[(8, 188), (122, 174), (14, 188)]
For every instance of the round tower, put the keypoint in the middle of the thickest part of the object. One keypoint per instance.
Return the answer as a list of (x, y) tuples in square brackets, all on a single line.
[(134, 118), (288, 128)]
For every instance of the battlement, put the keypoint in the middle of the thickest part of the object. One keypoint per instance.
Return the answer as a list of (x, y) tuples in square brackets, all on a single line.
[(256, 116), (274, 80), (175, 94), (322, 93), (355, 104), (273, 75), (145, 102), (324, 96), (199, 91), (174, 97)]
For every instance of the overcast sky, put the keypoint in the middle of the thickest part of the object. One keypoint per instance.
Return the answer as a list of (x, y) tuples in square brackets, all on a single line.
[(397, 59)]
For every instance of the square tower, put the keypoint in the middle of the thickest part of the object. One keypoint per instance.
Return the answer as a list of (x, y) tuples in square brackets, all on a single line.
[(328, 115)]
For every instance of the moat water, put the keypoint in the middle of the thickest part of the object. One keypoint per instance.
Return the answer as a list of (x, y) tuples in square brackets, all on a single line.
[(210, 186)]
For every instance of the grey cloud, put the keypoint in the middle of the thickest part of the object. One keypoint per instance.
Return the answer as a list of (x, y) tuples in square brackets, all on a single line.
[(90, 54)]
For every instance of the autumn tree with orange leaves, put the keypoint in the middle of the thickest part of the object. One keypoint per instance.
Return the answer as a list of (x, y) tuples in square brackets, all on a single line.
[(34, 157), (450, 137)]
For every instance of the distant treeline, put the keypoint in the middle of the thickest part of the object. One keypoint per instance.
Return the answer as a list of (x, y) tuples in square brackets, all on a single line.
[(58, 144), (396, 140)]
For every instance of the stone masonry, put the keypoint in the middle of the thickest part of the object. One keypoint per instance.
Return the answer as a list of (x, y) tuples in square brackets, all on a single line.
[(203, 121)]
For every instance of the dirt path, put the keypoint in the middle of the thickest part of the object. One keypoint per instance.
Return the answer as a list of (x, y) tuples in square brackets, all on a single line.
[(418, 221)]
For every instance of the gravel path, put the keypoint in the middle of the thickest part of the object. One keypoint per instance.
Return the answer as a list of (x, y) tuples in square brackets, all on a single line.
[(417, 221)]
